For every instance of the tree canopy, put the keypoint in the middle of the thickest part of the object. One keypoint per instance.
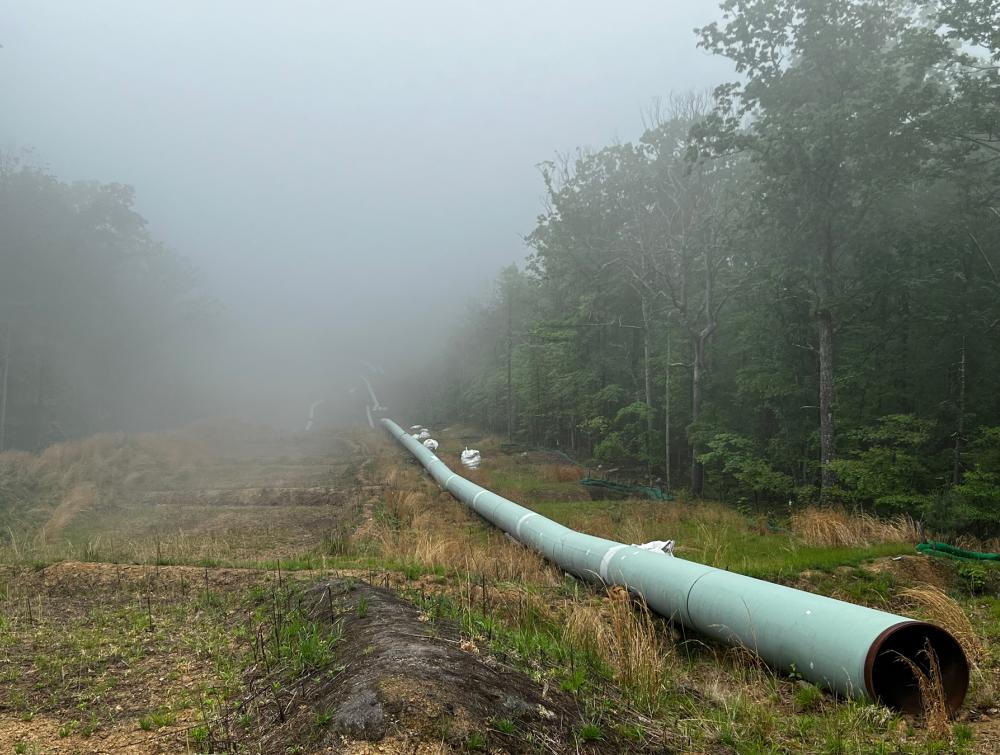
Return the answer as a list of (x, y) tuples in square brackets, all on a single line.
[(96, 316), (791, 284)]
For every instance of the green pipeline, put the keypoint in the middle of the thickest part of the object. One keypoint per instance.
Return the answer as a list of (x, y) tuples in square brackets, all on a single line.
[(849, 649)]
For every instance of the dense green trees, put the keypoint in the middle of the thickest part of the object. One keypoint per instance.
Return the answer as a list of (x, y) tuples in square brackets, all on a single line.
[(93, 311), (803, 269)]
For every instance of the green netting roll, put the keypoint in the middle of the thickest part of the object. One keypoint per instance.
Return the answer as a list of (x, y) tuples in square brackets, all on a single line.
[(935, 548)]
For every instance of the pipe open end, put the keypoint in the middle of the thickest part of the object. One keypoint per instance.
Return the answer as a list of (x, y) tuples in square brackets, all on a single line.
[(889, 667)]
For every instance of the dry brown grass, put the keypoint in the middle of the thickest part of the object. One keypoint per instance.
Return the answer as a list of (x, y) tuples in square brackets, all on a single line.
[(937, 717), (104, 460), (623, 633), (562, 473), (948, 614), (81, 498), (837, 527), (971, 543), (430, 529)]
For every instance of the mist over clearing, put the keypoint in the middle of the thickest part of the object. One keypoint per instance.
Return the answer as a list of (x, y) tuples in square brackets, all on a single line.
[(344, 178)]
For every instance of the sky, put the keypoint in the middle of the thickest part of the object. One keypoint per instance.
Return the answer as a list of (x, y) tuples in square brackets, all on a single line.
[(342, 174)]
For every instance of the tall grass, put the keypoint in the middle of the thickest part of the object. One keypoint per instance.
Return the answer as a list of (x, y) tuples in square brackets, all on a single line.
[(416, 525), (562, 473), (624, 634), (837, 527), (948, 614)]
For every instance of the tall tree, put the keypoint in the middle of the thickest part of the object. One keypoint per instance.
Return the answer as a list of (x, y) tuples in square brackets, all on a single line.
[(833, 113)]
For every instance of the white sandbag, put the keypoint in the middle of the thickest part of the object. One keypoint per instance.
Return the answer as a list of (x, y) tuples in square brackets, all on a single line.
[(471, 458), (431, 444), (424, 434)]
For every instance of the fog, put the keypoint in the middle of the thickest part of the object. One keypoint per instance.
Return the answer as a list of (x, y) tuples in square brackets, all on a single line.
[(343, 177)]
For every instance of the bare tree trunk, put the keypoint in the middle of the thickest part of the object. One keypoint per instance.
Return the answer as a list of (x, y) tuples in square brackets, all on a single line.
[(510, 382), (698, 370), (956, 471), (647, 370), (827, 440), (824, 317), (666, 420)]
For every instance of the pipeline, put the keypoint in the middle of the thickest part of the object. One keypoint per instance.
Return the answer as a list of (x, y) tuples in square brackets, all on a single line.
[(849, 649)]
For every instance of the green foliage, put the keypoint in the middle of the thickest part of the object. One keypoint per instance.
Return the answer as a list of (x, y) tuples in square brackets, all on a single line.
[(627, 443), (807, 697), (738, 461), (157, 720), (475, 742), (613, 449), (504, 726), (973, 505), (886, 469), (834, 207), (99, 313)]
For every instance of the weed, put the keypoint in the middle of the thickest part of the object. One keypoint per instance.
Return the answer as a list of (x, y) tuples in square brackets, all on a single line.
[(575, 681), (504, 726), (961, 735), (475, 742), (807, 697), (157, 720), (591, 733)]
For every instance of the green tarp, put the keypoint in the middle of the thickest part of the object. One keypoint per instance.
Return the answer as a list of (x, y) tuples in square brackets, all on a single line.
[(621, 490)]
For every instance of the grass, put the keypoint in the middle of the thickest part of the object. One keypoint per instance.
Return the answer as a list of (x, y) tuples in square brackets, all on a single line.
[(194, 638), (837, 527), (713, 534), (946, 612), (67, 659), (158, 720), (633, 672)]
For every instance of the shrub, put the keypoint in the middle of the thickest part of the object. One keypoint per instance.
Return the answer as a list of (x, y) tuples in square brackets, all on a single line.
[(744, 469)]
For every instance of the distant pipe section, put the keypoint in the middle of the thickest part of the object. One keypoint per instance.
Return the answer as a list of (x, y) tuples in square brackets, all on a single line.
[(849, 649)]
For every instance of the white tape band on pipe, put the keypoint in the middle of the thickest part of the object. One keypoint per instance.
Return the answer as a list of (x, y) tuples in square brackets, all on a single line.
[(449, 480), (476, 497), (606, 561), (521, 521)]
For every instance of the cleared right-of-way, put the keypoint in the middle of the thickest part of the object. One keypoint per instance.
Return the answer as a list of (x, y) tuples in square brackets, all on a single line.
[(853, 650)]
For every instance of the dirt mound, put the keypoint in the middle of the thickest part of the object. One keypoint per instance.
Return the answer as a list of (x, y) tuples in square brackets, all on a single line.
[(409, 683), (914, 570)]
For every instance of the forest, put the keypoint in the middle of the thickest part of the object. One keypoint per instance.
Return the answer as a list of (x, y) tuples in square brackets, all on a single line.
[(99, 321), (788, 290)]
